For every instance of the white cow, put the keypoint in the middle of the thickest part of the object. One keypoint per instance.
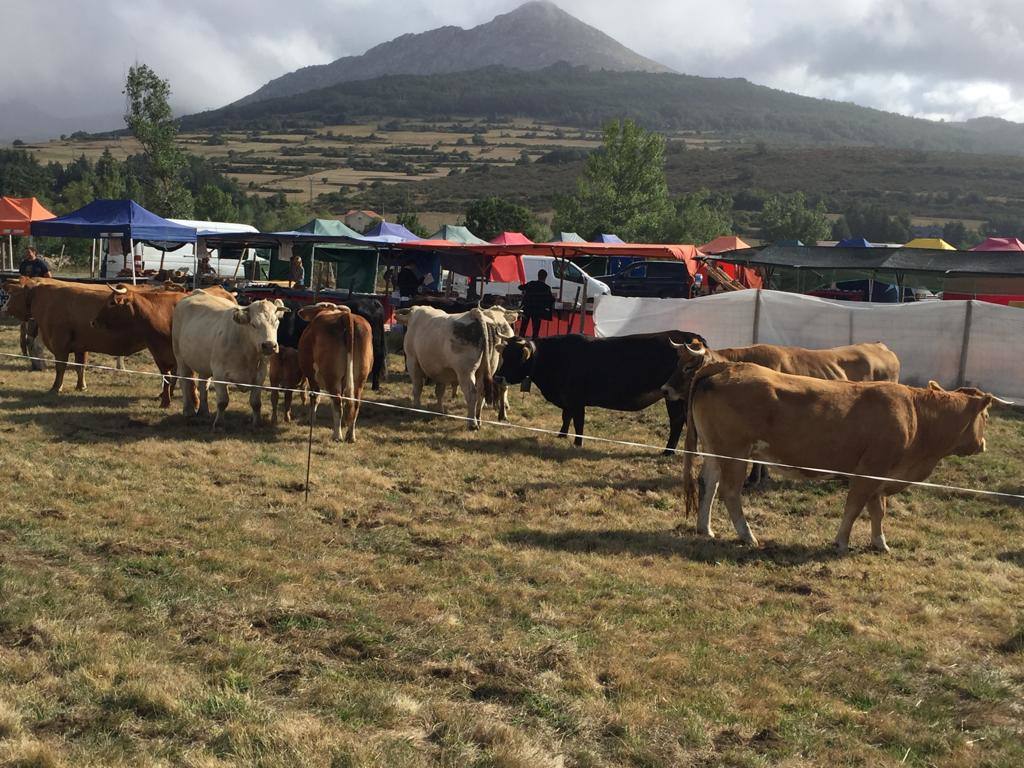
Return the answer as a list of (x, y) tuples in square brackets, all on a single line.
[(447, 349), (214, 337)]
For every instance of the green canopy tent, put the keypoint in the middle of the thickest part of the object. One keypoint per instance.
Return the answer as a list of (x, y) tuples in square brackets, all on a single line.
[(454, 234), (355, 266)]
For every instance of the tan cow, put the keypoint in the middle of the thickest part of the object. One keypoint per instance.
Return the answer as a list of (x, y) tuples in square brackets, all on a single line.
[(856, 362), (871, 429), (336, 356)]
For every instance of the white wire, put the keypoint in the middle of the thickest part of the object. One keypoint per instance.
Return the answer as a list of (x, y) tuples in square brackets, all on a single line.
[(543, 431)]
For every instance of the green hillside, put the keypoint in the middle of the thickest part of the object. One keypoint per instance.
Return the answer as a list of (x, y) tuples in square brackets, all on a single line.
[(575, 96)]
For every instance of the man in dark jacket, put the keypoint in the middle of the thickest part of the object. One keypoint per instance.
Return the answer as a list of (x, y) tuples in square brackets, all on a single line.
[(537, 303), (33, 265)]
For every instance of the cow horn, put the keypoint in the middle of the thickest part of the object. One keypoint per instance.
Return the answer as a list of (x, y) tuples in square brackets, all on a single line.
[(119, 289), (696, 349), (1001, 401)]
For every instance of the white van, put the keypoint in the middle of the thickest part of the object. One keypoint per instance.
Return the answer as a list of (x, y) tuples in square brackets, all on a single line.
[(571, 285), (183, 257)]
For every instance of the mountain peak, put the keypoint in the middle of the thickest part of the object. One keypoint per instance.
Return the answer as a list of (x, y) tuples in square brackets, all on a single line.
[(532, 36)]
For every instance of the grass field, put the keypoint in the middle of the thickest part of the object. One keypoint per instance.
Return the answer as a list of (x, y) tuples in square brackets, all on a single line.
[(487, 599)]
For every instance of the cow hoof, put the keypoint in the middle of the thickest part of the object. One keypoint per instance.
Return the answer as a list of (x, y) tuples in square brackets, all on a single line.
[(842, 548), (880, 546), (668, 452), (707, 533), (82, 388), (750, 541)]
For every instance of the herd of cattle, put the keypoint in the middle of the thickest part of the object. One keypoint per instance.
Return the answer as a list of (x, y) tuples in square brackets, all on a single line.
[(836, 410)]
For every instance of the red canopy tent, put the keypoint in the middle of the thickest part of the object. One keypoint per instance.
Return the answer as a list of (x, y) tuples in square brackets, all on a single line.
[(1000, 244), (16, 217)]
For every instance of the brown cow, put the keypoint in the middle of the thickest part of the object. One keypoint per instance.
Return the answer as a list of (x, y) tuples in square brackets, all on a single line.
[(146, 314), (336, 355), (285, 373), (856, 362), (871, 429)]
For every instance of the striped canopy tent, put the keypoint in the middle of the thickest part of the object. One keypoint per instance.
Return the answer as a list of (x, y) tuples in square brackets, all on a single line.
[(746, 276), (16, 217)]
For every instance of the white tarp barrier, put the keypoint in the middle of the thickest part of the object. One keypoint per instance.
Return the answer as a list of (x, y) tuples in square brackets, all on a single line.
[(957, 343)]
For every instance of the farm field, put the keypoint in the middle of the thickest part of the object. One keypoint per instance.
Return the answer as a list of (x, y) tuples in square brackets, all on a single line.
[(494, 599)]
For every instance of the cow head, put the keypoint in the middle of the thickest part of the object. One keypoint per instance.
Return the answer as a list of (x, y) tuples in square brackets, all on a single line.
[(19, 299), (118, 311), (975, 405), (260, 319), (517, 360), (691, 357)]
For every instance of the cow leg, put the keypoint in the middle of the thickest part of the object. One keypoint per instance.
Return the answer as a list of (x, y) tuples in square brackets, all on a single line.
[(876, 508), (858, 495), (81, 358), (439, 390), (566, 417), (418, 378), (472, 397), (502, 402), (710, 474), (288, 396), (60, 364), (676, 421), (119, 363), (222, 404), (577, 424), (188, 392), (273, 407), (337, 411), (256, 404), (351, 413), (731, 484), (202, 407)]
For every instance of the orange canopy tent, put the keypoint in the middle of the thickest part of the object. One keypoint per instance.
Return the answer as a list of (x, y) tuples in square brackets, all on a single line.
[(16, 217), (18, 213)]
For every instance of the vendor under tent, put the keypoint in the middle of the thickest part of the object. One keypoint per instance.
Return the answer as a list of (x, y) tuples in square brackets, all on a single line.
[(355, 266), (803, 268), (1000, 244), (930, 243), (16, 217), (124, 220)]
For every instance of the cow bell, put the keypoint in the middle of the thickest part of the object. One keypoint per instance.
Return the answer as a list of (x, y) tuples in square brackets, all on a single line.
[(525, 386)]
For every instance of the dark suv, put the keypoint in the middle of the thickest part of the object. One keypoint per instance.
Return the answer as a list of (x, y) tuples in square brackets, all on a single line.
[(663, 279)]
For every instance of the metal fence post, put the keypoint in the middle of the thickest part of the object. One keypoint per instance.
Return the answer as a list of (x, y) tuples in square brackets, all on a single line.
[(757, 316), (961, 379)]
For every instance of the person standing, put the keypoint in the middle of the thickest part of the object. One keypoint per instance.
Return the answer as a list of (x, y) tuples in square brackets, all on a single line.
[(538, 301), (297, 274), (34, 265), (408, 281)]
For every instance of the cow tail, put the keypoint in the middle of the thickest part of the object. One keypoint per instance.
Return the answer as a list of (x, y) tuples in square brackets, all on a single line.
[(350, 377), (488, 375)]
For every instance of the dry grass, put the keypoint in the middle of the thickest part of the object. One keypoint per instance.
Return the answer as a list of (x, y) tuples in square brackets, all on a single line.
[(490, 599)]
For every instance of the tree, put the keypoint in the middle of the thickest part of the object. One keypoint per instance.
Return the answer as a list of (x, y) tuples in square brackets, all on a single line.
[(214, 204), (840, 229), (788, 217), (622, 188), (412, 222), (491, 216), (700, 217), (875, 223), (148, 116)]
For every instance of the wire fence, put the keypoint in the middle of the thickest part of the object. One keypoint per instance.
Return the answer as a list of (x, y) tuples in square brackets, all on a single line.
[(535, 430)]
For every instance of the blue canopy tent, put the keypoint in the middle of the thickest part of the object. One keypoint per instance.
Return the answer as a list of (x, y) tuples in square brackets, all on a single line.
[(386, 232), (608, 239), (853, 242), (124, 219)]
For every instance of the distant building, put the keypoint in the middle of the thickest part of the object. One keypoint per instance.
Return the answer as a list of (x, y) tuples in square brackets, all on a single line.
[(361, 221)]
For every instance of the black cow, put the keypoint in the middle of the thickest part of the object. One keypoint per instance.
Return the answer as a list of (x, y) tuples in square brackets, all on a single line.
[(366, 307), (623, 373)]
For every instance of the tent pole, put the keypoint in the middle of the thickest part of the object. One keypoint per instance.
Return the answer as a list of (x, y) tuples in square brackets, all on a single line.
[(10, 250), (312, 267), (131, 252), (92, 258)]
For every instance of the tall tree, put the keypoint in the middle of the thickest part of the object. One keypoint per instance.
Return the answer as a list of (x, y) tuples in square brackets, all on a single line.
[(622, 188), (789, 217), (700, 217), (489, 217), (148, 116)]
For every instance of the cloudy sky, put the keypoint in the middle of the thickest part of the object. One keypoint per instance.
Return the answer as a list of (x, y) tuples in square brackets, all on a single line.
[(932, 58)]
